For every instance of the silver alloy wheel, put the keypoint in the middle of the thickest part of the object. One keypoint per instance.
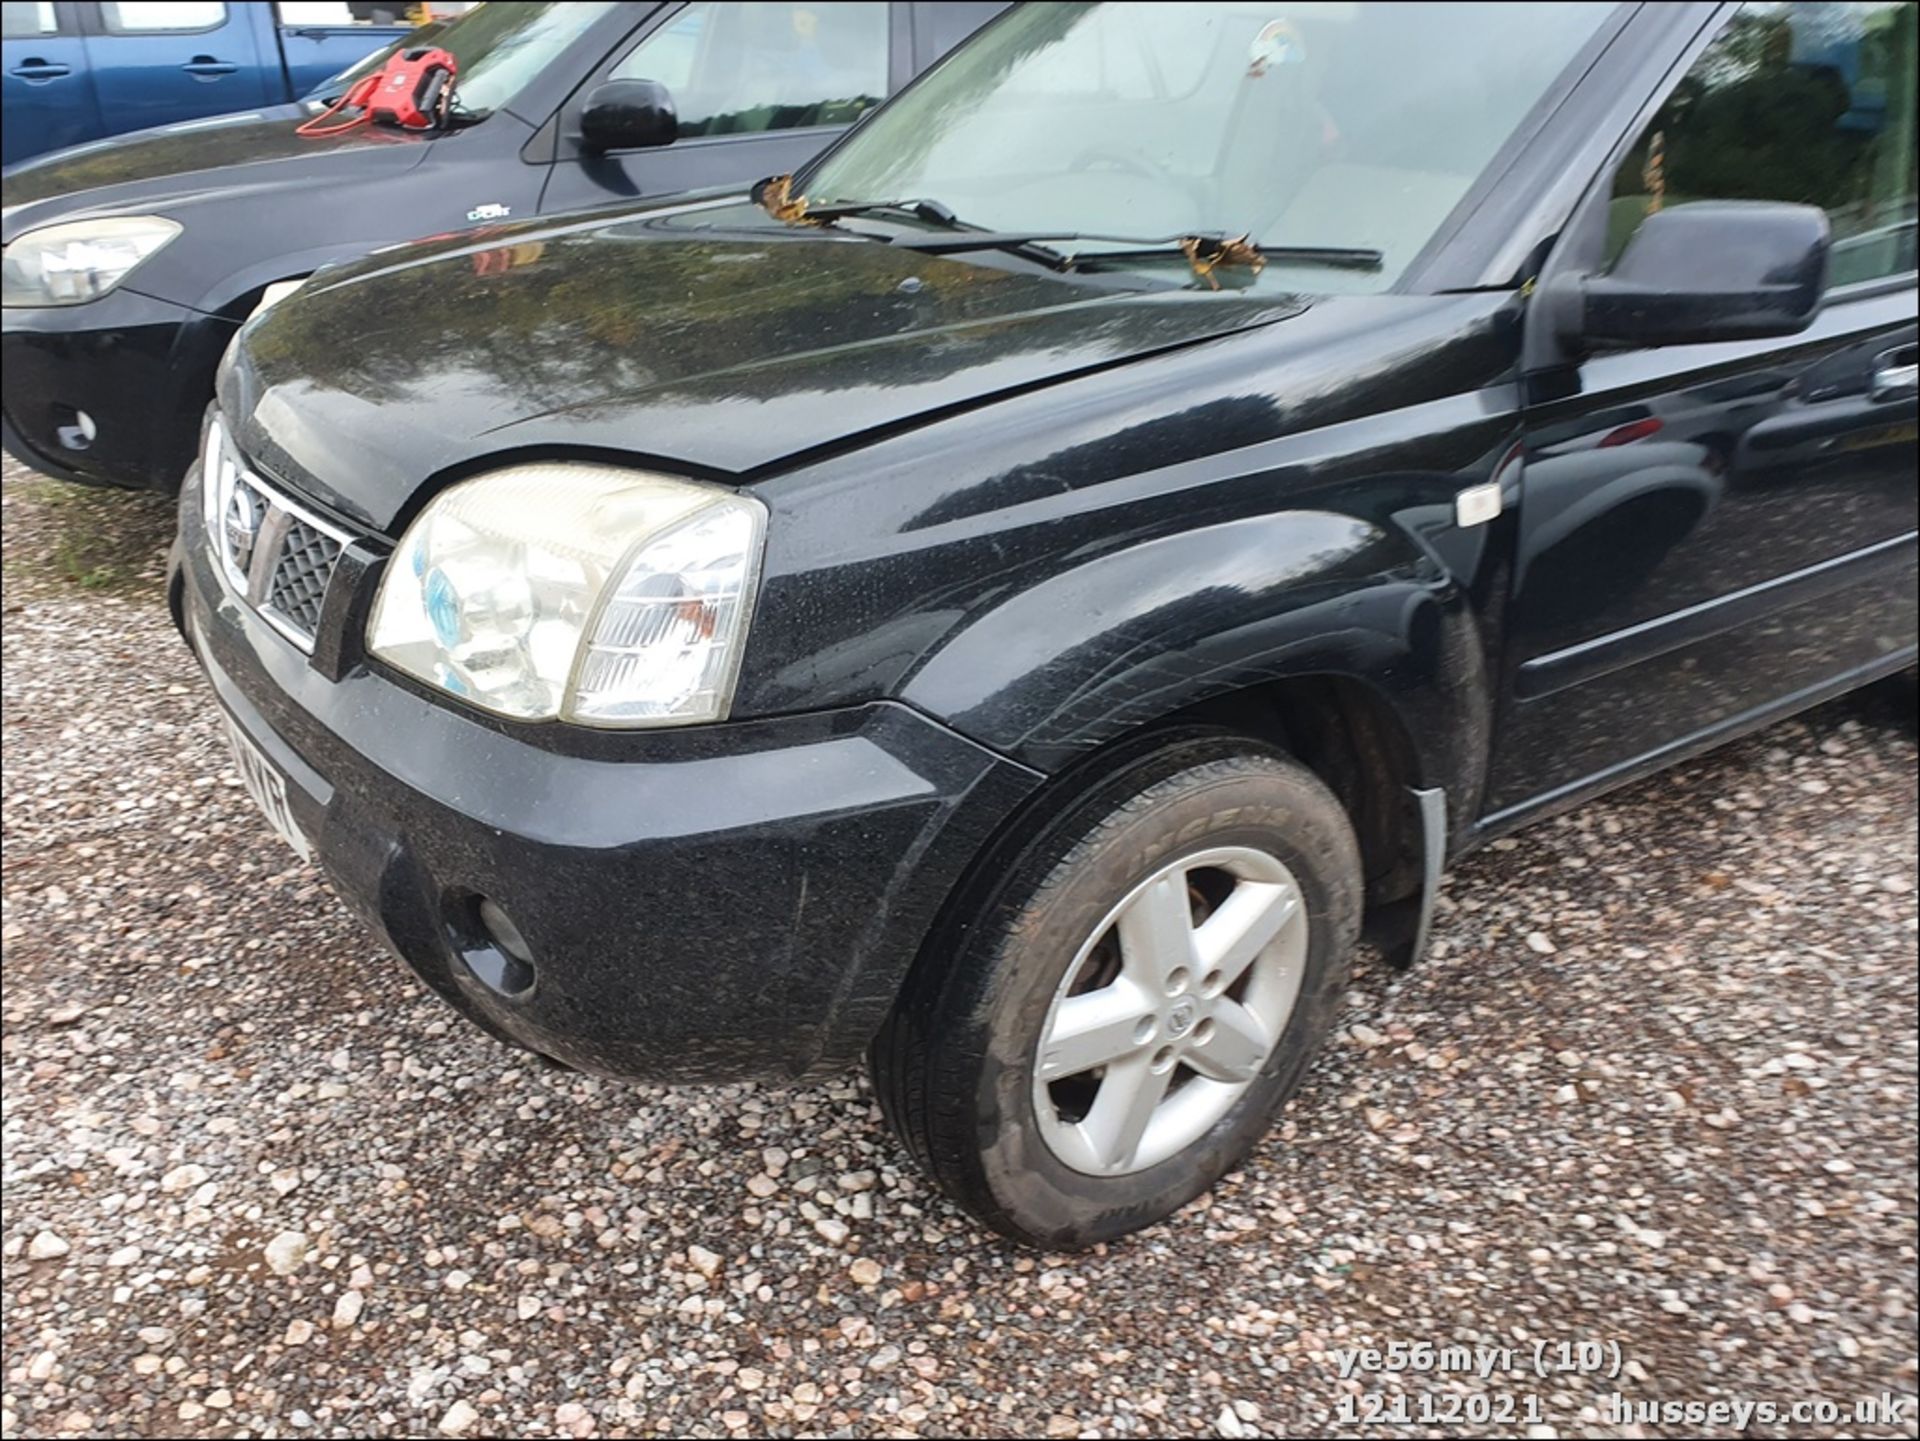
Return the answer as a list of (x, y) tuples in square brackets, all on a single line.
[(1170, 1010)]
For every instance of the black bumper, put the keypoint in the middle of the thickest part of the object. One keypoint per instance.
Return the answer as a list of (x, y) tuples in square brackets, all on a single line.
[(720, 903), (141, 370)]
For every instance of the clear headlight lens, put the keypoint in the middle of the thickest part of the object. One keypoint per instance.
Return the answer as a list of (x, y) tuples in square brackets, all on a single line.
[(223, 499), (79, 261), (588, 593), (216, 458)]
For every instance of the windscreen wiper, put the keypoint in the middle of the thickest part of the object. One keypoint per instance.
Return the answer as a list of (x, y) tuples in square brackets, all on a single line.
[(1204, 252), (775, 196), (931, 211), (1207, 253)]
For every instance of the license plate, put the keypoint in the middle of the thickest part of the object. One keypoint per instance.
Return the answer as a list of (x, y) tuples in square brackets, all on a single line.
[(269, 790)]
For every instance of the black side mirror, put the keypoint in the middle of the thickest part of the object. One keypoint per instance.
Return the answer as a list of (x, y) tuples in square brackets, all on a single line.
[(628, 115), (1711, 270)]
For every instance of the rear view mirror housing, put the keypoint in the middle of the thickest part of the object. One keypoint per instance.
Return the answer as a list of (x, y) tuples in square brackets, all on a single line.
[(1708, 270), (628, 115)]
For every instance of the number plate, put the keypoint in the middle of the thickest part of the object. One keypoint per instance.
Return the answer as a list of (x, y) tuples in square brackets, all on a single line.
[(269, 790)]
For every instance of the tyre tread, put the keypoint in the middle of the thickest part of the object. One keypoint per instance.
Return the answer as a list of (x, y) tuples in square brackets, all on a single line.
[(923, 1087)]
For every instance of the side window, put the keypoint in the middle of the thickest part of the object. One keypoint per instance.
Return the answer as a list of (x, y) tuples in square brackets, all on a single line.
[(26, 19), (160, 17), (738, 68), (1807, 102)]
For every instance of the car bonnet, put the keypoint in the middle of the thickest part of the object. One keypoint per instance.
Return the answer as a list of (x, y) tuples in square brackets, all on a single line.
[(707, 340)]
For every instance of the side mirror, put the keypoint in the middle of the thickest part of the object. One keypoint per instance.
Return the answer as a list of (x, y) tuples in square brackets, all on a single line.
[(1711, 270), (628, 115)]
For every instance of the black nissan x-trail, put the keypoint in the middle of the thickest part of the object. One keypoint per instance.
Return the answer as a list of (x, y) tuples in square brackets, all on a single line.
[(1020, 598)]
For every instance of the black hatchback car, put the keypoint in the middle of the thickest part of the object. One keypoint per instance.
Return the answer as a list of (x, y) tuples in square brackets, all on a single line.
[(129, 263), (1021, 597)]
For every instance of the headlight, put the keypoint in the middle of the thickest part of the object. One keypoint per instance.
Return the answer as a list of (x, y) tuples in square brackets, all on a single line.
[(219, 493), (590, 593), (216, 457), (80, 261)]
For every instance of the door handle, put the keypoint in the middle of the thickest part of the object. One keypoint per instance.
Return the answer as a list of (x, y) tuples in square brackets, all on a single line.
[(40, 70), (207, 65), (1896, 376)]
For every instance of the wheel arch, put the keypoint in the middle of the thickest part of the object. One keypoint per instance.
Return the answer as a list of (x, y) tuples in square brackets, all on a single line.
[(1348, 731), (1302, 623)]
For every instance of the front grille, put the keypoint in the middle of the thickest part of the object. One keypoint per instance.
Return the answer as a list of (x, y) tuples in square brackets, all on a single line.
[(277, 555), (300, 576)]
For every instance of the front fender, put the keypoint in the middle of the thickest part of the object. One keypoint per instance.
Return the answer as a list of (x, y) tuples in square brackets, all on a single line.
[(1137, 634)]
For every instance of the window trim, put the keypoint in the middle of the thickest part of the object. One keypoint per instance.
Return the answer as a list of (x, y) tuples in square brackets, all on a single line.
[(736, 137), (1870, 289), (925, 52)]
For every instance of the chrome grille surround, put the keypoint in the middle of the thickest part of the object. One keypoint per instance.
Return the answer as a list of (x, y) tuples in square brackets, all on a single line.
[(275, 554)]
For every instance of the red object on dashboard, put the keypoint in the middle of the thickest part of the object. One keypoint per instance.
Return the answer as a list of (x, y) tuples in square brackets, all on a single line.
[(411, 91)]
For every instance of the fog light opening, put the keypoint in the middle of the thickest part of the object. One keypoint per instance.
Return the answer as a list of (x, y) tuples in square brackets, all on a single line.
[(505, 934), (493, 949), (75, 428)]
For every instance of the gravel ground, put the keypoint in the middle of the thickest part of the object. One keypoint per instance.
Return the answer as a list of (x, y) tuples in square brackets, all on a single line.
[(1657, 1087)]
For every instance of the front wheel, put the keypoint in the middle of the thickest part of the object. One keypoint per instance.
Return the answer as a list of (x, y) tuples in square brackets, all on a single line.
[(1121, 1018)]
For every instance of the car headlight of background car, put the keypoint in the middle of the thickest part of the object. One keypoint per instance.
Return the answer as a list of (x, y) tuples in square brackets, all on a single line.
[(79, 261), (587, 593)]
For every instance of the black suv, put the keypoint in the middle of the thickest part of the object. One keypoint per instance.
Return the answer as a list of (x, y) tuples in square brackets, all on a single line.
[(1020, 598)]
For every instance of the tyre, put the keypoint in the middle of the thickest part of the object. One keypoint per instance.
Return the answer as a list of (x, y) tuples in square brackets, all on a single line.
[(1113, 1024)]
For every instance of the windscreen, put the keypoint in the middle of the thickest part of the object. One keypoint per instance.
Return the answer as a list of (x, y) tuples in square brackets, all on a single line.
[(1339, 125), (499, 47)]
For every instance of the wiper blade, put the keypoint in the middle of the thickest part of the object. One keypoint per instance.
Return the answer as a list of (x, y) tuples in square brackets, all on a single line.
[(1206, 252), (931, 211), (775, 196)]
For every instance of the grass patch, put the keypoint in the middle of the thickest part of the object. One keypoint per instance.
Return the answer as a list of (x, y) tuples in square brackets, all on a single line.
[(61, 537)]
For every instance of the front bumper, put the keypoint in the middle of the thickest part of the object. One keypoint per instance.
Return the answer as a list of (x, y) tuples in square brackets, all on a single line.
[(720, 903), (139, 370)]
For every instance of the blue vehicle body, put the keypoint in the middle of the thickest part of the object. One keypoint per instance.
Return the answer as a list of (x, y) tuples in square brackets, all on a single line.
[(77, 70)]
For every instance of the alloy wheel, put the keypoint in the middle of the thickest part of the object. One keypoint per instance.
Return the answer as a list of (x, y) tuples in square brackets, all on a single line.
[(1170, 1010)]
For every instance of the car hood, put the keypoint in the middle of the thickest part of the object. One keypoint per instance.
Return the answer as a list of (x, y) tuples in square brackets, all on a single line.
[(173, 166), (707, 339)]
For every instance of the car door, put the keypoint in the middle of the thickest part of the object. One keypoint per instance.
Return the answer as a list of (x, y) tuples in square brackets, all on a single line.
[(1712, 533), (44, 82), (760, 86), (156, 62)]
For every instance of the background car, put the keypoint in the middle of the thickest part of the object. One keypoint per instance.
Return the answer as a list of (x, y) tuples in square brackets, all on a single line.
[(166, 240), (75, 70)]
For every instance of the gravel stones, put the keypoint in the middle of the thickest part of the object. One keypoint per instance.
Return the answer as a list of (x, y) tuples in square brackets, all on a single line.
[(1728, 1004), (285, 1253)]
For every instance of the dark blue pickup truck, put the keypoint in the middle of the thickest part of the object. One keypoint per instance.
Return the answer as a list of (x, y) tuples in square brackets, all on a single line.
[(76, 70)]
